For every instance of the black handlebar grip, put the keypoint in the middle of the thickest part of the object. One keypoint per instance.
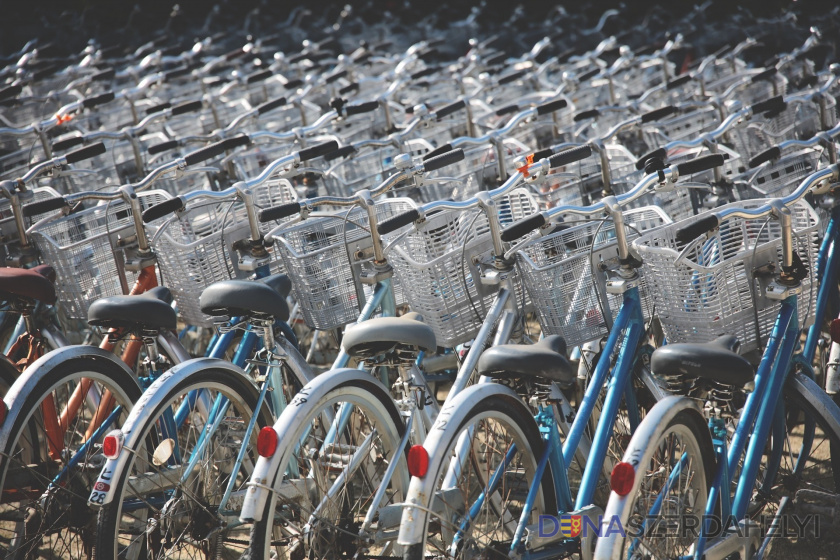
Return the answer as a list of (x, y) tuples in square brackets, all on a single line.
[(570, 156), (237, 141), (260, 76), (279, 212), (208, 152), (341, 152), (677, 82), (512, 77), (551, 106), (293, 84), (106, 97), (393, 224), (187, 107), (765, 75), (48, 205), (542, 154), (660, 113), (588, 75), (68, 143), (158, 108), (318, 151), (588, 114), (659, 153), (700, 164), (435, 42), (363, 57), (163, 147), (85, 153), (177, 73), (348, 88), (162, 209), (693, 231), (10, 91), (773, 104), (437, 162), (270, 105), (437, 151), (295, 58), (423, 73), (334, 77), (449, 109), (360, 108), (103, 76), (523, 227), (507, 110), (767, 155)]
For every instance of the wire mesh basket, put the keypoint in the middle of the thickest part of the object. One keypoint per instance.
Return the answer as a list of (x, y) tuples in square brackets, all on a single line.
[(325, 257), (562, 273), (685, 126), (437, 264), (780, 177), (88, 251), (716, 284), (195, 248), (369, 167)]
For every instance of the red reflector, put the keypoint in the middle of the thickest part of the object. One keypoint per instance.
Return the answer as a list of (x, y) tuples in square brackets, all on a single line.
[(267, 442), (111, 446), (621, 479), (3, 411), (418, 461), (835, 330)]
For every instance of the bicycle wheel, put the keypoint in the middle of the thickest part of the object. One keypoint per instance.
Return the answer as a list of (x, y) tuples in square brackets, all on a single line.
[(808, 478), (459, 520), (159, 510), (673, 472), (343, 475), (39, 519)]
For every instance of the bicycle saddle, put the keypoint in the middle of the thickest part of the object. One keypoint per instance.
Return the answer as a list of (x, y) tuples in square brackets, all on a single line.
[(717, 360), (546, 360), (381, 335), (33, 284), (263, 298), (150, 311)]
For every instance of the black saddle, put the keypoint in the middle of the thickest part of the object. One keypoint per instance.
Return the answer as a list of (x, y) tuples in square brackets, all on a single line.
[(717, 360), (265, 298), (383, 334), (150, 311), (545, 360)]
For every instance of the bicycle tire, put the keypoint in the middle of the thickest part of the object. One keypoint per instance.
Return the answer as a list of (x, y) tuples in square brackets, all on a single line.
[(527, 438), (51, 527), (341, 531), (243, 396)]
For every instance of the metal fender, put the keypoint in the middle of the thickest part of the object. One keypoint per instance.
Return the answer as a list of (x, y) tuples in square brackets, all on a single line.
[(446, 427), (652, 427), (290, 422), (151, 399), (29, 379)]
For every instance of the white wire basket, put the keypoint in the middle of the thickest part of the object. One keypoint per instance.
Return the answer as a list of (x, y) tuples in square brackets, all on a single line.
[(562, 274), (437, 267), (324, 257), (780, 177), (715, 285), (196, 247), (86, 251), (685, 126)]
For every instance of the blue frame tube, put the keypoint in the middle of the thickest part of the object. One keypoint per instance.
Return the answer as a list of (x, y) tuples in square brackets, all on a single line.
[(826, 271), (752, 461)]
